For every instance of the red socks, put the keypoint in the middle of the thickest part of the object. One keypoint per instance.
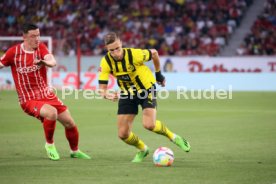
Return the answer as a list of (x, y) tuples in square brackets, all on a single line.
[(49, 129), (72, 135)]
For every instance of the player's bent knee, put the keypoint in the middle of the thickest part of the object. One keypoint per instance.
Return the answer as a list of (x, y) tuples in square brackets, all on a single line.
[(70, 124), (51, 114), (149, 126), (48, 112), (123, 135), (67, 122)]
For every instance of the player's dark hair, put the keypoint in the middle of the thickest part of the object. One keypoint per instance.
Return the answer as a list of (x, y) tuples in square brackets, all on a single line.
[(27, 27), (110, 38)]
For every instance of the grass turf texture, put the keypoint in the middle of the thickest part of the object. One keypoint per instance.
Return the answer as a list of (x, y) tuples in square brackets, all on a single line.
[(233, 141)]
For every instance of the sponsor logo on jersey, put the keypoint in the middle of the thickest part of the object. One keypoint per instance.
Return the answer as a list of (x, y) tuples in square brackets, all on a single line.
[(130, 67), (24, 70), (125, 77)]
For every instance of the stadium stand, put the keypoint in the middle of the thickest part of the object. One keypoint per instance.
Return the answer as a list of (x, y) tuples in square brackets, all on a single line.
[(174, 27), (262, 38)]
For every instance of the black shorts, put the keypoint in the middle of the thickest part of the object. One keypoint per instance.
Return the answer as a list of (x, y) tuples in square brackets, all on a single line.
[(128, 104)]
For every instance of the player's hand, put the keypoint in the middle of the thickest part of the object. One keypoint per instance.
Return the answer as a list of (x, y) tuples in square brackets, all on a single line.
[(160, 78), (112, 96), (38, 61)]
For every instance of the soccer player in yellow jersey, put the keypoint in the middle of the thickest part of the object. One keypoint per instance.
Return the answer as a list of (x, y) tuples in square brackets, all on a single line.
[(137, 85)]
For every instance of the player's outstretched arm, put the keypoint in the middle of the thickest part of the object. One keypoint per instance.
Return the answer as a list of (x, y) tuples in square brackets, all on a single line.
[(156, 61), (49, 60)]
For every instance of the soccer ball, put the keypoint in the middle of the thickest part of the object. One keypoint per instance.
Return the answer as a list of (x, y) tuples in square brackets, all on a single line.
[(163, 156)]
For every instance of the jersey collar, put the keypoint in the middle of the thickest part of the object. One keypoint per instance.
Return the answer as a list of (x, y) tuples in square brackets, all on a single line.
[(26, 51), (119, 60)]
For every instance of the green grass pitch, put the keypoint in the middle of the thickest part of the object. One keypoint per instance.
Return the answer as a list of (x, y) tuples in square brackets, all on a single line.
[(233, 142)]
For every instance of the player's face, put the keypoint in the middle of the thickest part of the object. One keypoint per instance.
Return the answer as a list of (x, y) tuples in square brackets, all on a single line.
[(116, 50), (32, 38)]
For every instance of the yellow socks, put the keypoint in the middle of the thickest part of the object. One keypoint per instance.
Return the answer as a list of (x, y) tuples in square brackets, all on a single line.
[(134, 140), (160, 128)]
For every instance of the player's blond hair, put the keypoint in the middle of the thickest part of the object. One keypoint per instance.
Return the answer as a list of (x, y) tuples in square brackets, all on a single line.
[(110, 38)]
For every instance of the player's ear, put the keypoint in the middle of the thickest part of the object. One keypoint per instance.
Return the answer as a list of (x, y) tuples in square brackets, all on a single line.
[(120, 42)]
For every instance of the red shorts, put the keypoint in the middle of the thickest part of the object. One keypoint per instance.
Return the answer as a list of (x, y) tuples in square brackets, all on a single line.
[(33, 107)]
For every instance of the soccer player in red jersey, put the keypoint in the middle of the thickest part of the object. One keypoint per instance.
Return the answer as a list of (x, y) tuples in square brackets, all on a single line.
[(28, 62)]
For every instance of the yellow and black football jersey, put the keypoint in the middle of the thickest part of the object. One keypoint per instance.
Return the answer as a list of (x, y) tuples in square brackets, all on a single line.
[(131, 72)]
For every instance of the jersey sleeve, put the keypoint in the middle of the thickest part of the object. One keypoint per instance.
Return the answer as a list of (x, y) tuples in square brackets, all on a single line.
[(142, 55), (7, 58), (104, 72), (146, 55), (43, 50)]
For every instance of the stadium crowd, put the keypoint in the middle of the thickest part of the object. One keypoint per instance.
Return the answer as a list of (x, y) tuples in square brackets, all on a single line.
[(262, 38), (173, 27)]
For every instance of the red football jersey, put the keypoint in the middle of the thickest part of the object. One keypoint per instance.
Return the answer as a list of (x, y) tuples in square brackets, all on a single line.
[(30, 79)]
